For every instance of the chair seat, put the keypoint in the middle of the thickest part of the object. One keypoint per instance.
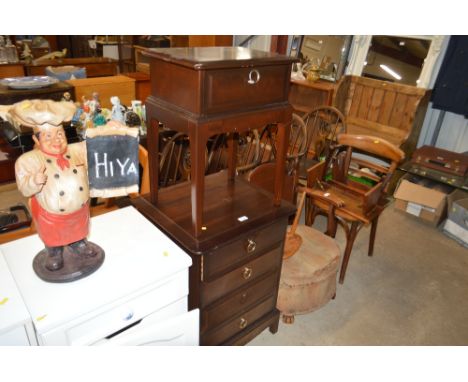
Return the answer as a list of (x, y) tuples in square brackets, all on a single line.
[(308, 278), (393, 135)]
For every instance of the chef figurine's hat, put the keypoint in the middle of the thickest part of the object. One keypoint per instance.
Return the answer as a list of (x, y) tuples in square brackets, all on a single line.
[(40, 114)]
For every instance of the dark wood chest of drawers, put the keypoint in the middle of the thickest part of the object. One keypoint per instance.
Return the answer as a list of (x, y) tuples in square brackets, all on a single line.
[(233, 231)]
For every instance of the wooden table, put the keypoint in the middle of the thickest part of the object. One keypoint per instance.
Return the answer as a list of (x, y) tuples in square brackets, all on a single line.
[(11, 70), (95, 66), (306, 95)]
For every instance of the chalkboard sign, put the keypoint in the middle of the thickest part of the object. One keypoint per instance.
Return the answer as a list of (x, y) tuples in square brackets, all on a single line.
[(113, 168)]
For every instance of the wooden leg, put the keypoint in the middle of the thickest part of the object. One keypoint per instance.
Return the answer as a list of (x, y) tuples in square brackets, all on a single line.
[(153, 163), (282, 141), (288, 318), (274, 327), (232, 155), (309, 212), (197, 149), (331, 222), (349, 247), (372, 236)]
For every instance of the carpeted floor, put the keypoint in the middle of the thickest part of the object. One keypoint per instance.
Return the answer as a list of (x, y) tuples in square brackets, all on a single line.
[(413, 291)]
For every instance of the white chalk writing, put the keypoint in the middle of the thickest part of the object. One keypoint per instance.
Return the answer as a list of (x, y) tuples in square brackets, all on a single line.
[(105, 168)]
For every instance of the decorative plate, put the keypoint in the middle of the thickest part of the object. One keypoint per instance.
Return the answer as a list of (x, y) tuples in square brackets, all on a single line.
[(32, 82)]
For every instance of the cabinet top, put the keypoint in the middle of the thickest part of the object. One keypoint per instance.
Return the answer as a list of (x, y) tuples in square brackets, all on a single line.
[(138, 257), (217, 57)]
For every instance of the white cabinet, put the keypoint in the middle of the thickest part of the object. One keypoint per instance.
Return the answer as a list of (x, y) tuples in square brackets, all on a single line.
[(138, 296), (15, 323)]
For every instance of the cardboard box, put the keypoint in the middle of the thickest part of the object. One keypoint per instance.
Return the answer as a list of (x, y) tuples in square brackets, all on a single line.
[(457, 203), (456, 226), (456, 232), (423, 198)]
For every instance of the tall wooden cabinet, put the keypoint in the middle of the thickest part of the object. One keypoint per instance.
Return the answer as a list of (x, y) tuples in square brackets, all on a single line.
[(233, 231)]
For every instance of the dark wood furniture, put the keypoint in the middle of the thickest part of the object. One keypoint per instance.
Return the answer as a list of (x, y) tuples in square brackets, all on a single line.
[(356, 193), (95, 66), (142, 84), (233, 231), (8, 156), (306, 95), (11, 70)]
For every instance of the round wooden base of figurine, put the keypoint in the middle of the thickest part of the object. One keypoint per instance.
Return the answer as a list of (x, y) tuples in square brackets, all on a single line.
[(75, 266)]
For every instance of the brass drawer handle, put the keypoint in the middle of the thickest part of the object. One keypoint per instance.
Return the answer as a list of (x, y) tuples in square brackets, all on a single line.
[(250, 246), (254, 77), (242, 323), (247, 273)]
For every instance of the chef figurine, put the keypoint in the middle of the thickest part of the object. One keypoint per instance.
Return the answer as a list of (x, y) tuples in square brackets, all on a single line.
[(54, 176)]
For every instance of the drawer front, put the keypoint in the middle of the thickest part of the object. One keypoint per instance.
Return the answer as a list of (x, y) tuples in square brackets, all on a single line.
[(172, 325), (238, 323), (246, 247), (100, 324), (239, 277), (181, 330), (242, 88), (238, 302), (16, 336)]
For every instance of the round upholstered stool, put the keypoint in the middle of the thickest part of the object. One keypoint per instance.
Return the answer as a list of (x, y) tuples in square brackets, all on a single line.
[(308, 278)]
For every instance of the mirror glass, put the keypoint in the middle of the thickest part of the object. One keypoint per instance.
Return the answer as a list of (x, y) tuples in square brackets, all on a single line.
[(396, 59), (328, 52)]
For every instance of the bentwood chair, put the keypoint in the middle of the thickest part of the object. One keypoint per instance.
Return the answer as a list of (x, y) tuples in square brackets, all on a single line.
[(323, 124), (352, 190)]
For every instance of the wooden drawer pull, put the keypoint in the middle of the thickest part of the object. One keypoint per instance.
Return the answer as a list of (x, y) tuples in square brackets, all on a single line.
[(247, 273), (242, 323), (250, 245)]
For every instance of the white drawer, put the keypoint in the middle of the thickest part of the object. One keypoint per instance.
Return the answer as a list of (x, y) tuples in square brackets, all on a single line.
[(15, 336), (172, 325), (96, 325)]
